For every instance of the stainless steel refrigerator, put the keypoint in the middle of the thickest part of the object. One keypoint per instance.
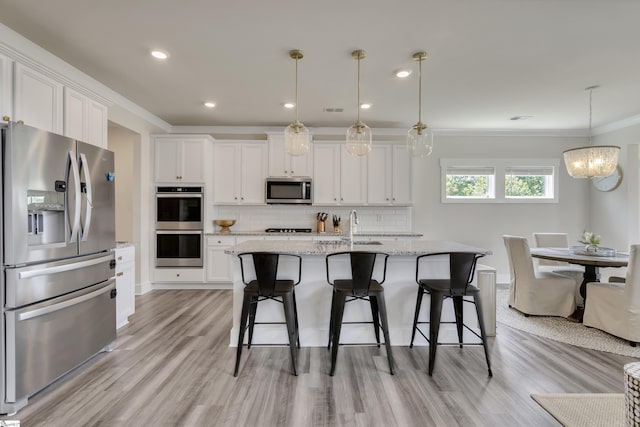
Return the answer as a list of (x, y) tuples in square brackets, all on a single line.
[(58, 270)]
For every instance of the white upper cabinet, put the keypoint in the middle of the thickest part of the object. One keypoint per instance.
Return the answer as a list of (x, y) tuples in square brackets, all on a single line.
[(282, 163), (84, 118), (6, 108), (239, 170), (37, 99), (389, 175), (339, 177), (181, 158)]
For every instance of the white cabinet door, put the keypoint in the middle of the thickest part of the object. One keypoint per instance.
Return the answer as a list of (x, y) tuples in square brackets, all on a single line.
[(125, 285), (218, 263), (283, 164), (97, 118), (168, 162), (326, 174), (402, 192), (353, 178), (75, 114), (6, 81), (192, 164), (379, 183), (253, 166), (179, 159), (226, 175), (37, 99)]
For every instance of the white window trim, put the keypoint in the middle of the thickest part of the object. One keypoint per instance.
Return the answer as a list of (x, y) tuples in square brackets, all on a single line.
[(500, 165)]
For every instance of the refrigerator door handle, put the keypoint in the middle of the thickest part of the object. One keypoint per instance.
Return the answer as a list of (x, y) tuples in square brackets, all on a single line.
[(88, 194), (76, 187), (66, 267), (65, 304)]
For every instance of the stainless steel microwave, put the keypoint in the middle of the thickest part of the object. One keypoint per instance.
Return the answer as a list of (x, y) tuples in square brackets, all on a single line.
[(296, 191)]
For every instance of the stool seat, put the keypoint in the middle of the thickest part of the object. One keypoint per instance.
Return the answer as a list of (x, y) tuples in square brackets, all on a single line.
[(280, 287), (342, 285), (444, 285)]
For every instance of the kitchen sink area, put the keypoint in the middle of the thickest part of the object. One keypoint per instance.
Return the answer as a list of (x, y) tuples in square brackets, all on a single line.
[(344, 242)]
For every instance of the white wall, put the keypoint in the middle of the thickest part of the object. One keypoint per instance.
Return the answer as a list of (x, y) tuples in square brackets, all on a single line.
[(484, 224)]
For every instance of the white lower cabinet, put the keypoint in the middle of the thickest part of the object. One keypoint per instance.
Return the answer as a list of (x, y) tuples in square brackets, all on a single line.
[(218, 263), (125, 284)]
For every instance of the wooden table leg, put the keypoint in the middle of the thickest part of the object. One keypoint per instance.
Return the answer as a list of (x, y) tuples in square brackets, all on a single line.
[(591, 274)]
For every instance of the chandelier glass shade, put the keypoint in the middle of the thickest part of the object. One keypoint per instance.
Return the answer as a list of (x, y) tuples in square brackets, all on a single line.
[(420, 137), (593, 160), (296, 135), (358, 135)]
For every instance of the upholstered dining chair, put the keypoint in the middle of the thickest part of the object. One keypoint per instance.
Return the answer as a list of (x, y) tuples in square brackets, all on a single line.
[(614, 307), (539, 293), (558, 240)]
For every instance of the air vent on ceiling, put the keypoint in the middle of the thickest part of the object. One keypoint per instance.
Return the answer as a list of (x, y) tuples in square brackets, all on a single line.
[(333, 110)]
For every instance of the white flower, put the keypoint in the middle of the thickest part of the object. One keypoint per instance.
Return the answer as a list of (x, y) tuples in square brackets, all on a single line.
[(589, 238)]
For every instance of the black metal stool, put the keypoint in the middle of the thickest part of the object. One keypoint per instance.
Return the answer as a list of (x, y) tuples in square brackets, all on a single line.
[(360, 286), (461, 269), (266, 286)]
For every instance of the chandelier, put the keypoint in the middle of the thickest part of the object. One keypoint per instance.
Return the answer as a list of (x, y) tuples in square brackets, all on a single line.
[(419, 137), (359, 135), (296, 135), (594, 160)]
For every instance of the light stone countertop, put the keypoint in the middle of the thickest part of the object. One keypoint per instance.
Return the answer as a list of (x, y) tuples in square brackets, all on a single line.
[(391, 247), (408, 234), (120, 245)]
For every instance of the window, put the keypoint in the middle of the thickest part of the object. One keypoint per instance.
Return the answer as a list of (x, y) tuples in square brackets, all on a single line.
[(499, 180), (528, 182), (467, 182)]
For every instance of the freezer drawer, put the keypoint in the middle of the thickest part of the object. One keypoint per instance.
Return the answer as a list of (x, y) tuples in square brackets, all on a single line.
[(28, 285), (44, 341)]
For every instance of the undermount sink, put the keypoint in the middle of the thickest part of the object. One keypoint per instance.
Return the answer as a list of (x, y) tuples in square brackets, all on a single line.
[(367, 242), (344, 242)]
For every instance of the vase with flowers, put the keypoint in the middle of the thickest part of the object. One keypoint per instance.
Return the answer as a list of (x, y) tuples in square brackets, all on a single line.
[(590, 240)]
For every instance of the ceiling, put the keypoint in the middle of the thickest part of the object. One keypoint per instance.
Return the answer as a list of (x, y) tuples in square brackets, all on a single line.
[(489, 60)]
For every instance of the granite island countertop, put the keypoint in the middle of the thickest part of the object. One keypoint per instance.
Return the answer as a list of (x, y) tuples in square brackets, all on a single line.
[(391, 247), (389, 234)]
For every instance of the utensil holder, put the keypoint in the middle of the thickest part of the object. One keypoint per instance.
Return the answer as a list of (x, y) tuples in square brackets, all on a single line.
[(320, 226)]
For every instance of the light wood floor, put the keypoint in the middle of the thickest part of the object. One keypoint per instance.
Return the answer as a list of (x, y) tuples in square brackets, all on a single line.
[(172, 366)]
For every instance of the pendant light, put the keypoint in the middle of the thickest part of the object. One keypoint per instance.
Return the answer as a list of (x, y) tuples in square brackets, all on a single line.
[(419, 137), (594, 160), (359, 135), (296, 135)]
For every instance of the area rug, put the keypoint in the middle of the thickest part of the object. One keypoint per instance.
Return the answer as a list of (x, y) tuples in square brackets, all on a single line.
[(560, 329), (584, 409)]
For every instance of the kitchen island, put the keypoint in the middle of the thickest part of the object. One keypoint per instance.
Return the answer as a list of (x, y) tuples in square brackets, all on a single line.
[(313, 294)]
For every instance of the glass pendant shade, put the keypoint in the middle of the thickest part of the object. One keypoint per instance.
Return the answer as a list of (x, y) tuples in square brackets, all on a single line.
[(296, 139), (296, 135), (419, 140), (592, 161), (359, 139)]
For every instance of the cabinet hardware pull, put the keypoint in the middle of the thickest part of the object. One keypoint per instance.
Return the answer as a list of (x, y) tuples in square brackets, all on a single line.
[(119, 258), (120, 274)]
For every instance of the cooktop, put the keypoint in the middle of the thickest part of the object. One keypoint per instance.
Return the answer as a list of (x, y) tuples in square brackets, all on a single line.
[(288, 230)]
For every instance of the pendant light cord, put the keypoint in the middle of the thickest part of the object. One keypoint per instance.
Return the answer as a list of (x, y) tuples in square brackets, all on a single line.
[(296, 89), (590, 114), (358, 105), (420, 93)]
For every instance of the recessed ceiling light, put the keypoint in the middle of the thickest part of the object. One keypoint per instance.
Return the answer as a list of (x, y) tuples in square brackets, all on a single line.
[(159, 54), (289, 105), (209, 104), (365, 106), (403, 73)]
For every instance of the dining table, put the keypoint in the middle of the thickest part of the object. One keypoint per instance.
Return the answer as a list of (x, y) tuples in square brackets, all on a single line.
[(591, 261)]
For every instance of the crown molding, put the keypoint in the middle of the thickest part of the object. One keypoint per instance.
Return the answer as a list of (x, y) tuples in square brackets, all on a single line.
[(615, 126)]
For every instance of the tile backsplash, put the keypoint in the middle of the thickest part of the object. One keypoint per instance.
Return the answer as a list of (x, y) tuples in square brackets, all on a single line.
[(372, 219)]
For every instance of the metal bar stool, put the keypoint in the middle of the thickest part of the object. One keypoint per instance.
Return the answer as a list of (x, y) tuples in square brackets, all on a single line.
[(461, 269), (266, 286), (360, 286)]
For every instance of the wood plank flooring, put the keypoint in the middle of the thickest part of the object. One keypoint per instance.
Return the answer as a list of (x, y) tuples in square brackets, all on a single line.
[(172, 366)]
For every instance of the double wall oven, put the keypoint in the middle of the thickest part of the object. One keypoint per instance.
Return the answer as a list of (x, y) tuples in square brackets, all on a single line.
[(179, 226)]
